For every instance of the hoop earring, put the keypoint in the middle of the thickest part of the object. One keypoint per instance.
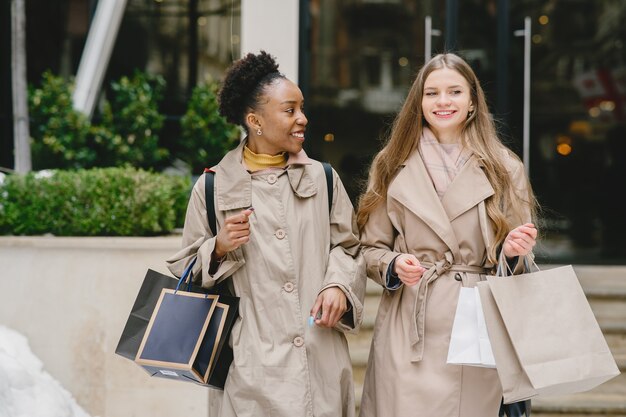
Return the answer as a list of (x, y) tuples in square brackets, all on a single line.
[(258, 132)]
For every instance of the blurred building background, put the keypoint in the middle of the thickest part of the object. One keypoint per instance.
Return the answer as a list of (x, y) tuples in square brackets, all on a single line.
[(355, 60), (364, 55)]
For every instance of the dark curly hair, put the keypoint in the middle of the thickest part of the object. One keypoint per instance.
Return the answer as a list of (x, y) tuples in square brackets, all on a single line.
[(244, 84)]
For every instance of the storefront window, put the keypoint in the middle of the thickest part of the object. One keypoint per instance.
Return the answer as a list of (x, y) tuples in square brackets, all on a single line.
[(577, 125), (364, 56), (185, 41)]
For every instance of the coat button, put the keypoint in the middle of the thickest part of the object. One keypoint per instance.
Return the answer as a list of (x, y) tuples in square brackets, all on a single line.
[(271, 178), (298, 341), (280, 234), (288, 286), (458, 277)]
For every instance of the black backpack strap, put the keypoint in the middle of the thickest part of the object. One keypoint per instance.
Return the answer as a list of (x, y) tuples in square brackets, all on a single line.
[(209, 178), (328, 170)]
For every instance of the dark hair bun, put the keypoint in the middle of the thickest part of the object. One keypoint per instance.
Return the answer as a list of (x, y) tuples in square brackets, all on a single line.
[(244, 84)]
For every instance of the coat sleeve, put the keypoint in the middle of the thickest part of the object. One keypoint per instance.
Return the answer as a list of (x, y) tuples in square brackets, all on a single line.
[(346, 266), (198, 241), (378, 238)]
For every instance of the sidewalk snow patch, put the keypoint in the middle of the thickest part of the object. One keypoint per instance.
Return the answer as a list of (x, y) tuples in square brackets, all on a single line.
[(26, 390)]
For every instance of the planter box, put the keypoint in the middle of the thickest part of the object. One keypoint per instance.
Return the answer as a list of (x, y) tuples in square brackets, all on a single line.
[(70, 297)]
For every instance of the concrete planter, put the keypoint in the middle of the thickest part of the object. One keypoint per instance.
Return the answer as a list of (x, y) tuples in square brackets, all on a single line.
[(70, 297)]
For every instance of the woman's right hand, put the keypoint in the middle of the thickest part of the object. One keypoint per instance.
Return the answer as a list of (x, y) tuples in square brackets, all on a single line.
[(520, 241), (408, 269), (234, 233)]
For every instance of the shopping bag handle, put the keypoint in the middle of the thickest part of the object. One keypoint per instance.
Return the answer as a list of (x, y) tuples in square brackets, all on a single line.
[(528, 260), (186, 276)]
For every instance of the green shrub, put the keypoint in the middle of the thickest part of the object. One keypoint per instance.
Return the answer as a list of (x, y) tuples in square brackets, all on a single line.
[(95, 202), (59, 134), (131, 122), (128, 133), (182, 191), (206, 136)]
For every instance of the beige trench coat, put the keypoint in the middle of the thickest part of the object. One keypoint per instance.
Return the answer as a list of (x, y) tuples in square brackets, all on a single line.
[(407, 374), (282, 367)]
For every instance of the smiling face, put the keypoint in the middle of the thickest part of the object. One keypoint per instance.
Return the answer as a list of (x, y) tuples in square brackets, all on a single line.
[(280, 118), (446, 103)]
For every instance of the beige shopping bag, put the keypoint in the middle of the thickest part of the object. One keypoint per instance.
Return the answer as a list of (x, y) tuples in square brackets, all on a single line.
[(515, 384), (544, 336)]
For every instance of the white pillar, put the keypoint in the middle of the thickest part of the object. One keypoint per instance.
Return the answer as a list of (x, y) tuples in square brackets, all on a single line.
[(98, 49), (272, 26)]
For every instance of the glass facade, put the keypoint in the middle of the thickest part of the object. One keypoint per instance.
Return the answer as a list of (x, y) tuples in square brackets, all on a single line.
[(360, 57), (185, 41), (365, 53)]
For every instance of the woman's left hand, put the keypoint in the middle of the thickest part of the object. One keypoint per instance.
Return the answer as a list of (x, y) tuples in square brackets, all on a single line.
[(520, 241), (333, 304)]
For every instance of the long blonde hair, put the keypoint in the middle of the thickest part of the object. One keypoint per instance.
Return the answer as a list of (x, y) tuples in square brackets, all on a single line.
[(478, 134)]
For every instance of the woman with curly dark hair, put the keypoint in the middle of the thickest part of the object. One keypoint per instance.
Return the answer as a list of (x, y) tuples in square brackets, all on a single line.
[(291, 256)]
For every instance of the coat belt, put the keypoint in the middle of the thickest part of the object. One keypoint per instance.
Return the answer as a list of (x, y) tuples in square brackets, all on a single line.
[(433, 272)]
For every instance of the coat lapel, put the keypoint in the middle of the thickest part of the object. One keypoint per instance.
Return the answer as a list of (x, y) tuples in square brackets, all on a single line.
[(414, 189), (469, 187), (301, 182), (234, 183)]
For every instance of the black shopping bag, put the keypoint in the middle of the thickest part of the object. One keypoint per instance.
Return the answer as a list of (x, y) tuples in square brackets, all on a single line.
[(145, 303), (179, 341)]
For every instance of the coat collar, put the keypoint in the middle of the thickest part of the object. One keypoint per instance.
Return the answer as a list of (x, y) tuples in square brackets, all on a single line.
[(415, 191), (233, 182)]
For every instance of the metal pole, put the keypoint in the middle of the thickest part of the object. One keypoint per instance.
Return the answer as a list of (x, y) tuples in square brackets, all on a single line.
[(526, 124), (21, 138), (7, 145), (502, 65), (428, 27), (192, 70), (429, 32), (452, 25), (304, 49)]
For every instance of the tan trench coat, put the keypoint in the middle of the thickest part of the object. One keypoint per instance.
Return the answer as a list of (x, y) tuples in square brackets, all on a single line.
[(407, 374), (282, 367)]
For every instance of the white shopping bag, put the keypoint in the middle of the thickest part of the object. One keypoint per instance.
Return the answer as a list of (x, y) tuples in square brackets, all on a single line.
[(486, 354), (469, 342)]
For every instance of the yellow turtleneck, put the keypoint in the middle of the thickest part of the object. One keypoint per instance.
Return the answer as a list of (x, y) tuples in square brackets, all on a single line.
[(256, 162)]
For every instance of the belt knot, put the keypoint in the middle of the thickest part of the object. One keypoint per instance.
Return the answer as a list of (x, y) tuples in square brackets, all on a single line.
[(433, 272)]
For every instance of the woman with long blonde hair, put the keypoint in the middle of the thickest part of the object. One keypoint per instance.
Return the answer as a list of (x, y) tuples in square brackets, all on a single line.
[(445, 200)]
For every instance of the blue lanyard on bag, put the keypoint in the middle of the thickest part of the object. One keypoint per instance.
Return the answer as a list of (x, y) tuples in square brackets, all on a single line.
[(186, 275)]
